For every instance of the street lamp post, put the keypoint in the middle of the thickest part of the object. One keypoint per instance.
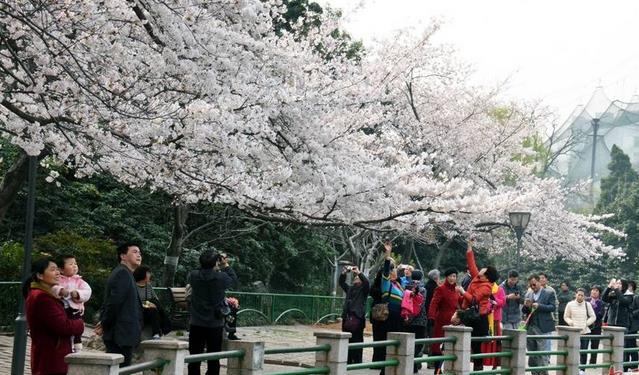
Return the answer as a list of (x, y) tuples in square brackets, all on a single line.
[(519, 221), (20, 338)]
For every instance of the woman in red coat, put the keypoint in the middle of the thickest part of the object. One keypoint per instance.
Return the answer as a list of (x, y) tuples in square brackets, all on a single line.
[(479, 290), (50, 328), (442, 307)]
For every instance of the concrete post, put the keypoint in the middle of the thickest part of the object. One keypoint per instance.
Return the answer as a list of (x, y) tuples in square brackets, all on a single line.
[(404, 353), (572, 345), (173, 351), (335, 359), (517, 345), (616, 344), (252, 362), (93, 363), (461, 348)]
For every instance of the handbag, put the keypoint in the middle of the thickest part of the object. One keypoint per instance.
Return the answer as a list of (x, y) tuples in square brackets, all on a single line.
[(470, 315), (352, 323), (379, 311)]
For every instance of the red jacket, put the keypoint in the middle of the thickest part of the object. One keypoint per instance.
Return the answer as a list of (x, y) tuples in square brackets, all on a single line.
[(441, 310), (478, 289), (51, 332)]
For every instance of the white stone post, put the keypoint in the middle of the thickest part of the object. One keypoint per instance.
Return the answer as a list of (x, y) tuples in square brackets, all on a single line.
[(572, 345), (335, 359), (404, 353), (616, 344), (252, 362), (516, 345), (93, 363), (461, 348), (173, 351)]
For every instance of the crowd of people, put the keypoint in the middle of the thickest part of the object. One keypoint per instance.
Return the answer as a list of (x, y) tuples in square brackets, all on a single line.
[(403, 300), (55, 295), (479, 300)]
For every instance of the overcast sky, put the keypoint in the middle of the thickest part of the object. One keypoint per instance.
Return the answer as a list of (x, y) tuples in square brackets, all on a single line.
[(554, 51)]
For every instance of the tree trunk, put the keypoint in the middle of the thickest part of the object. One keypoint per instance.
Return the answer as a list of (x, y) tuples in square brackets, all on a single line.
[(440, 252), (12, 183), (173, 252)]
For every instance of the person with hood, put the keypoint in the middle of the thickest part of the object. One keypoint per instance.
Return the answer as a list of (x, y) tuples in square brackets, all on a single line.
[(354, 310), (442, 308), (417, 324), (479, 292), (206, 307)]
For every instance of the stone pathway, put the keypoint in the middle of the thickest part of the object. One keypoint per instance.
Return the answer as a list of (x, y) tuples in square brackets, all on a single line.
[(273, 337)]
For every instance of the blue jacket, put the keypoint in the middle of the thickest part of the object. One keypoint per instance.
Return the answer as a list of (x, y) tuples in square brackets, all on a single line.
[(542, 316)]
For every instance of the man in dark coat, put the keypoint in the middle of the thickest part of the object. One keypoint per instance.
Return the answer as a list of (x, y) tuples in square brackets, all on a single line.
[(354, 310), (541, 304), (121, 314), (208, 292)]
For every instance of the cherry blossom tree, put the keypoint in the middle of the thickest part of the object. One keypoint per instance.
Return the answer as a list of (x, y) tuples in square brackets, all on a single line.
[(206, 101)]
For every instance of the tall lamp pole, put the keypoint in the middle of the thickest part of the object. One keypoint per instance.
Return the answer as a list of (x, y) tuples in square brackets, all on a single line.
[(20, 338), (595, 130), (519, 221)]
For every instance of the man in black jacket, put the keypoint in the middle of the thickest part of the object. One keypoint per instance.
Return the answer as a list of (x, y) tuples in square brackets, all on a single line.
[(208, 286), (121, 314)]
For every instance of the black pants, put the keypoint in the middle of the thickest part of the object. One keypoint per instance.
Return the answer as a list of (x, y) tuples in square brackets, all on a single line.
[(392, 324), (633, 356), (379, 334), (152, 318), (594, 344), (126, 351), (420, 333), (583, 358), (480, 329), (355, 355), (201, 338)]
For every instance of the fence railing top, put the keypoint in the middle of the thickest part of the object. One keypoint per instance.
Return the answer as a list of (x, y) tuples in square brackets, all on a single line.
[(94, 358)]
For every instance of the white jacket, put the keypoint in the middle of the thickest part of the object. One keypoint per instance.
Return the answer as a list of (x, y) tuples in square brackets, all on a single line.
[(580, 315)]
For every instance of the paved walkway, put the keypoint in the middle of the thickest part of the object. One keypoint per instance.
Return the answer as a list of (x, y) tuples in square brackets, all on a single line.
[(273, 337)]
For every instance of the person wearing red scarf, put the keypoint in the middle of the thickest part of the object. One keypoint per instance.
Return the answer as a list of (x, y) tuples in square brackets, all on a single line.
[(51, 329)]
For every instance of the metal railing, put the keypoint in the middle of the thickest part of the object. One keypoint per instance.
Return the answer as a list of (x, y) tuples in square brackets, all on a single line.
[(502, 354), (156, 364), (216, 356)]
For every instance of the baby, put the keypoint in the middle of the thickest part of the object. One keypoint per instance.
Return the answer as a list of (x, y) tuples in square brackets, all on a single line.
[(74, 292)]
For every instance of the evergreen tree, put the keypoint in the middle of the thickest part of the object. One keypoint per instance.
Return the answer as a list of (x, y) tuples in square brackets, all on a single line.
[(620, 197)]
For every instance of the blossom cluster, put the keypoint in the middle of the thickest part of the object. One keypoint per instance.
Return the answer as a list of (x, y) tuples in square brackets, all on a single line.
[(205, 100)]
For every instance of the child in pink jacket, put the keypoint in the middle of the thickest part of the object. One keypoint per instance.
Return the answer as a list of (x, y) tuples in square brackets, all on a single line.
[(74, 292)]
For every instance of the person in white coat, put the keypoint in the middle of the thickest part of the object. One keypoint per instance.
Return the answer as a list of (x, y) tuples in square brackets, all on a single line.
[(580, 314)]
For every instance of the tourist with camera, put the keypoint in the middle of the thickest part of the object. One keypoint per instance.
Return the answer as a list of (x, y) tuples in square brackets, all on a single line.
[(207, 307), (354, 310)]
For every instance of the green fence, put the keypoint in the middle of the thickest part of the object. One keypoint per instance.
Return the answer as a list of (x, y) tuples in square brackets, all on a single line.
[(255, 308)]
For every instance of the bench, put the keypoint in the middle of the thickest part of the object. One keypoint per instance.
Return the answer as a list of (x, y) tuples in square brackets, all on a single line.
[(178, 311)]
